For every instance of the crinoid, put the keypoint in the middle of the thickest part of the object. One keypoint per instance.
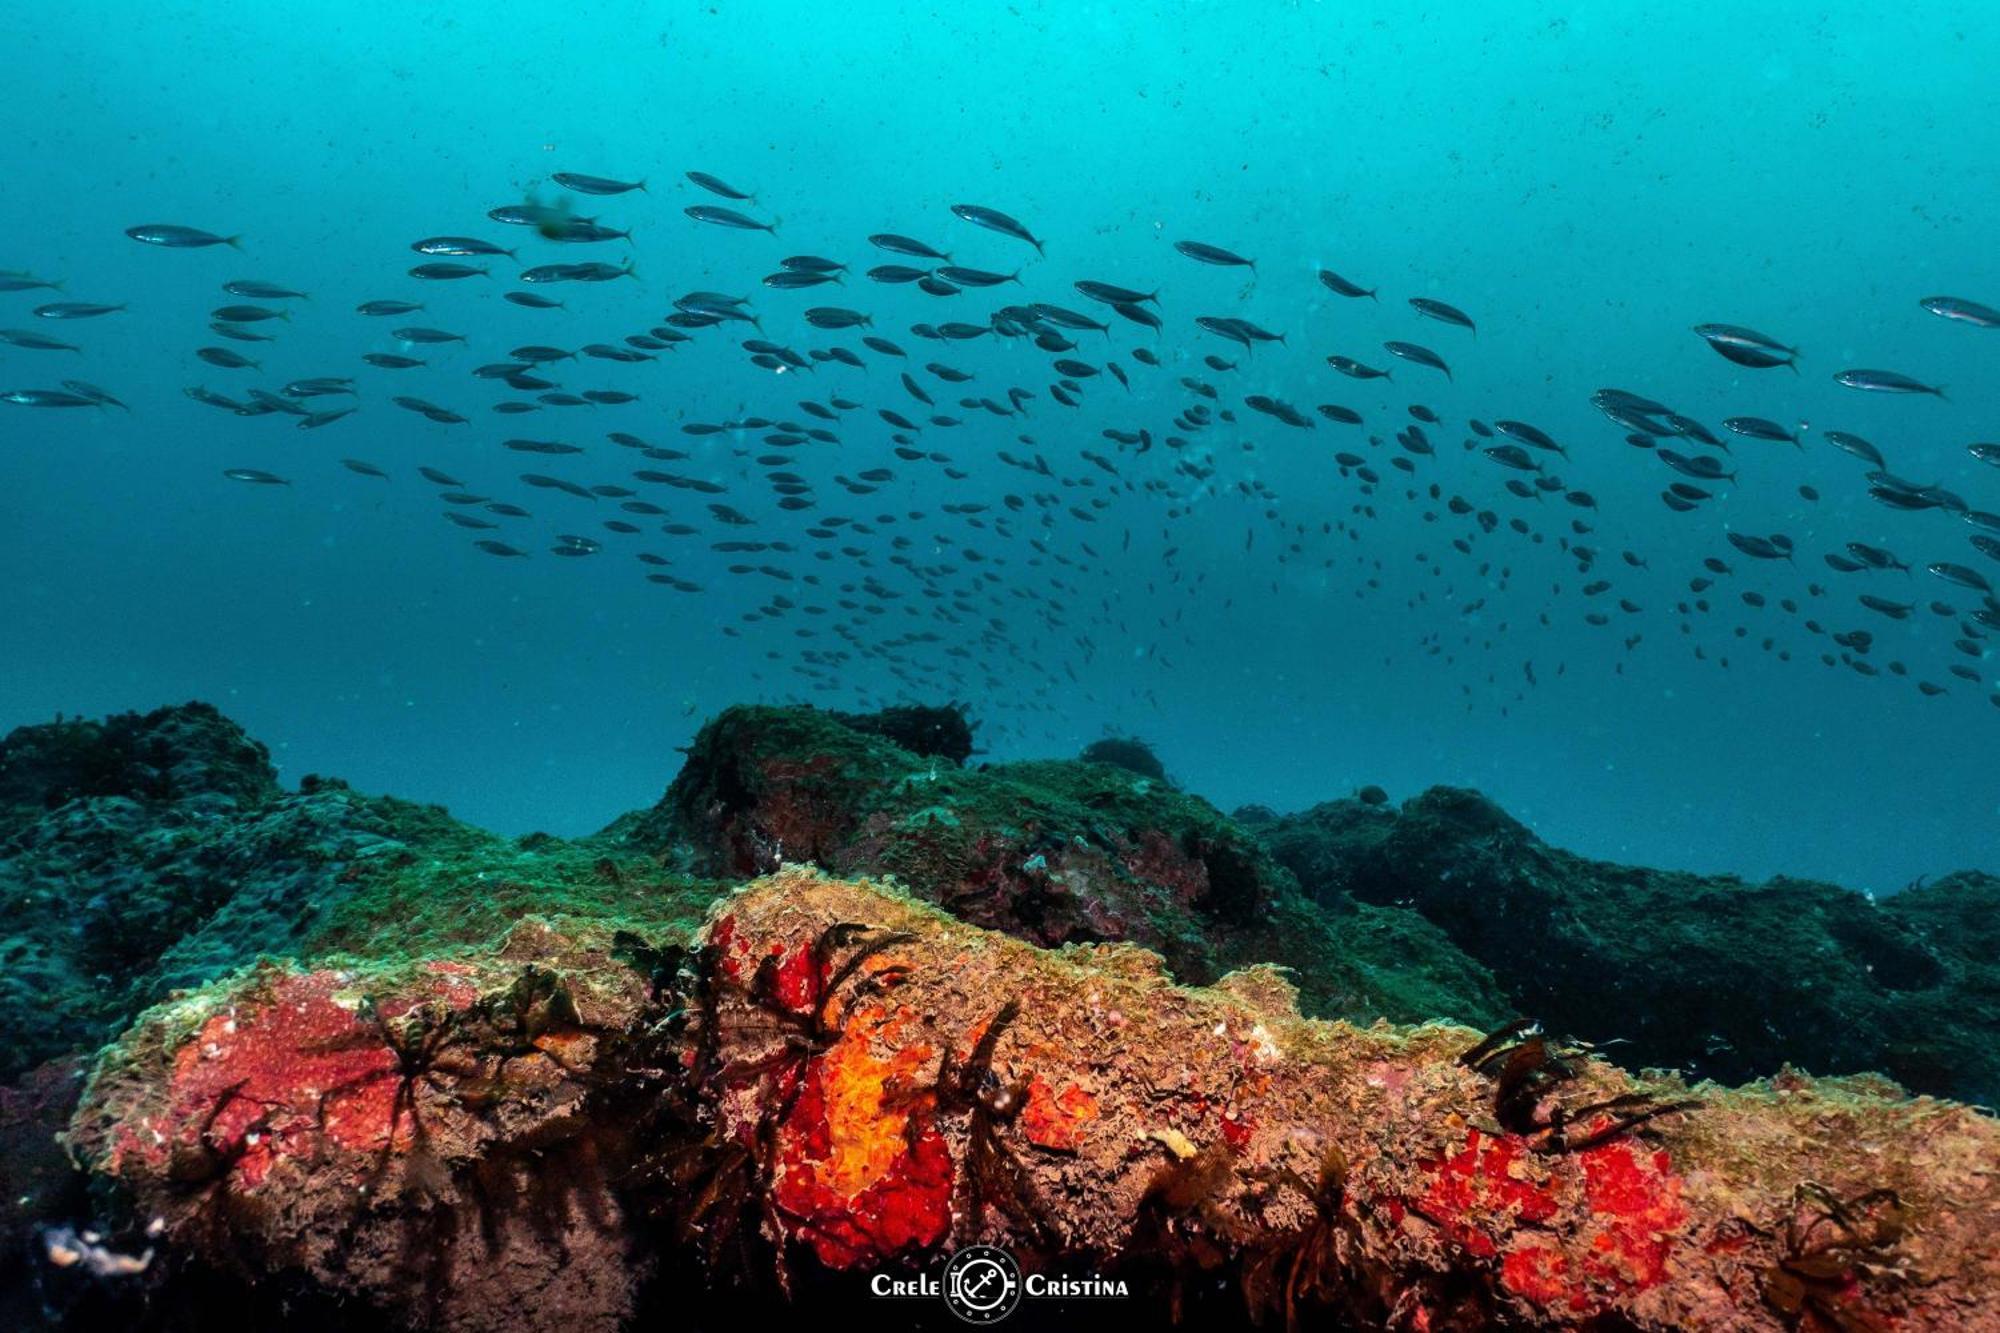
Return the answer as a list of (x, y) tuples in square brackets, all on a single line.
[(1186, 1227), (426, 1040), (204, 1167), (1316, 1266), (1830, 1248), (1529, 1068), (994, 1175), (811, 1026), (798, 1008)]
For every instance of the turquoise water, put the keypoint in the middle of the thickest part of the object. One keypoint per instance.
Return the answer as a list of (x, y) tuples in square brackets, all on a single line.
[(1586, 181)]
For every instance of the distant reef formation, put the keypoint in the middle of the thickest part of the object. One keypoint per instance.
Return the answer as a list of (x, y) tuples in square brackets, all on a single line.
[(843, 1000)]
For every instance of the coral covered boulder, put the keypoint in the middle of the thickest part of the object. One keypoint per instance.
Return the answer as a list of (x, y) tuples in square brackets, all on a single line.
[(1053, 852)]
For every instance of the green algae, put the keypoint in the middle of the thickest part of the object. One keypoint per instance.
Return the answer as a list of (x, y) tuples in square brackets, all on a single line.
[(1053, 850), (464, 895)]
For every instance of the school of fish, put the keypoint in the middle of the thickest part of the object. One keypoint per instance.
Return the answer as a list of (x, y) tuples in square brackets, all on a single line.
[(1088, 392)]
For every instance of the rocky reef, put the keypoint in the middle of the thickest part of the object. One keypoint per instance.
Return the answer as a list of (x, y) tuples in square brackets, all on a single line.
[(316, 1058), (1709, 975)]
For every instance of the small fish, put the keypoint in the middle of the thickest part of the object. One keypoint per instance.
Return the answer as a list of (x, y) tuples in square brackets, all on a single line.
[(1353, 369), (1893, 610), (1110, 294), (255, 476), (50, 398), (247, 314), (1340, 286), (1959, 574), (728, 217), (904, 245), (179, 238), (11, 281), (251, 289), (539, 216), (715, 185), (1442, 313), (787, 280), (834, 317), (458, 247), (92, 392), (35, 342), (1747, 347), (1512, 455), (1855, 445), (1962, 312), (1757, 428), (1885, 381), (974, 277), (365, 469), (994, 220), (1530, 435), (582, 184), (423, 335), (492, 547), (1214, 254), (1875, 557), (1760, 548), (532, 300), (448, 272), (74, 310), (388, 307), (226, 359), (1421, 355)]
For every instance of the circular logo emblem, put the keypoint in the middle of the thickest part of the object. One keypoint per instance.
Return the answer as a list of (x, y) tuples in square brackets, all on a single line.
[(982, 1284)]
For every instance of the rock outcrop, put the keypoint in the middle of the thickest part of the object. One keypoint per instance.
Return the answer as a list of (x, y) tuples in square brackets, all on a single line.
[(320, 1058)]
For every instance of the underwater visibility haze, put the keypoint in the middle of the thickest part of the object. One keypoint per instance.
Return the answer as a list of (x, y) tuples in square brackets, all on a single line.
[(1592, 406)]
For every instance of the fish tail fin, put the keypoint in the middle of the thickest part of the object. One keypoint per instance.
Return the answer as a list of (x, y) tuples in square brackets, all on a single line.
[(773, 228), (285, 315), (235, 243), (1371, 294), (1039, 252), (1939, 391), (642, 186)]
